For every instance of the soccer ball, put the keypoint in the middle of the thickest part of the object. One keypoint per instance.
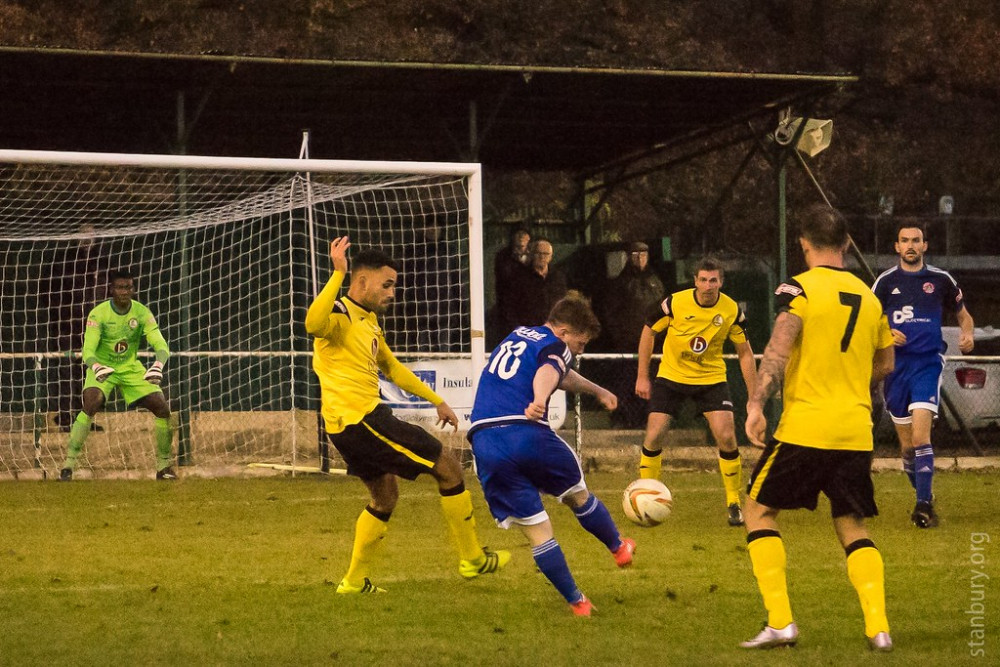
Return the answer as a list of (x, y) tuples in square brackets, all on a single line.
[(647, 502)]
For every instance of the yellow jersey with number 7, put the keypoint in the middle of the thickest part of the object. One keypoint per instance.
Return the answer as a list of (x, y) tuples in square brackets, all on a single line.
[(827, 393)]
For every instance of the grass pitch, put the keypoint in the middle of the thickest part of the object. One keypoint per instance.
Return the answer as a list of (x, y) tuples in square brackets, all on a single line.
[(243, 571)]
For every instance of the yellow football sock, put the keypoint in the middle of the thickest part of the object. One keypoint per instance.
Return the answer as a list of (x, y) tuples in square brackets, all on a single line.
[(369, 532), (866, 572), (767, 554), (649, 464), (462, 525), (732, 477)]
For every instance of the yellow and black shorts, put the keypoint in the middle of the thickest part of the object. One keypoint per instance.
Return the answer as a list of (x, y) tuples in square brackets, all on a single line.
[(381, 444), (792, 477)]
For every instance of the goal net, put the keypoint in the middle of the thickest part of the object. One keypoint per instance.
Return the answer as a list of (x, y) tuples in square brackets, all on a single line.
[(227, 253)]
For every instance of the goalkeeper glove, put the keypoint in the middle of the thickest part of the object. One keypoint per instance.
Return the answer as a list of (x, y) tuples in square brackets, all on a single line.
[(155, 373), (101, 372)]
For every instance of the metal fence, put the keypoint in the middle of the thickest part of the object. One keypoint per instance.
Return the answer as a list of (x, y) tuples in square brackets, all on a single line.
[(969, 417)]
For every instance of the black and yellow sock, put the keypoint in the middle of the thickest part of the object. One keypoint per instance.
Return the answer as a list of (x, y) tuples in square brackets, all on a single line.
[(649, 464), (456, 504), (767, 555), (867, 574), (369, 533), (731, 467)]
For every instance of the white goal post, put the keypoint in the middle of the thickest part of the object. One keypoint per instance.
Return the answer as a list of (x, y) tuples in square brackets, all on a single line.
[(227, 253)]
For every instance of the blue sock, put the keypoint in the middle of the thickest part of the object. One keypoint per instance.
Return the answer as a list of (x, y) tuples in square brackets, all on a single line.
[(596, 520), (550, 560), (923, 472), (908, 468)]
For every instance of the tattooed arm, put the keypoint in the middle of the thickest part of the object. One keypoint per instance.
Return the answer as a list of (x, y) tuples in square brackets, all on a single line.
[(771, 373)]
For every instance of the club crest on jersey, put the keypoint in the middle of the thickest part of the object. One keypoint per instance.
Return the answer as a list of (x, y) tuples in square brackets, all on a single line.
[(717, 320), (375, 346), (133, 323), (928, 288), (698, 344), (121, 347)]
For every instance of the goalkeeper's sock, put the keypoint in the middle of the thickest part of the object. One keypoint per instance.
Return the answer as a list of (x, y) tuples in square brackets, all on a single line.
[(164, 442), (456, 504), (867, 574), (595, 518), (731, 468), (649, 464), (369, 532), (552, 563), (77, 436), (767, 555)]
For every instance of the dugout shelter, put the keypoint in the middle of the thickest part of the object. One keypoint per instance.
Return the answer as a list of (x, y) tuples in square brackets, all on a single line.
[(508, 117)]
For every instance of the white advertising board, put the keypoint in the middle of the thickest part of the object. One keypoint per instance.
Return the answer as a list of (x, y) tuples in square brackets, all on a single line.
[(453, 380)]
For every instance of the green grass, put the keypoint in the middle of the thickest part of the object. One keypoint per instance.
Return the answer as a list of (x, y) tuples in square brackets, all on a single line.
[(243, 571)]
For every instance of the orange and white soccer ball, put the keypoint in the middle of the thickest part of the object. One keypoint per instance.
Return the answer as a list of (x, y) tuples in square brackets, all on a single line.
[(647, 502)]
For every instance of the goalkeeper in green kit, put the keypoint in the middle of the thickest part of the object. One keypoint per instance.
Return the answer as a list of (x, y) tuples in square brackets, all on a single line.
[(114, 331)]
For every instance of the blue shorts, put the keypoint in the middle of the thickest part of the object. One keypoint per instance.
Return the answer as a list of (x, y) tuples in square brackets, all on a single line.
[(914, 383), (516, 462)]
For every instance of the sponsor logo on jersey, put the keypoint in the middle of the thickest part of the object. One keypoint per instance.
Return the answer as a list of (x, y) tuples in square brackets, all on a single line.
[(904, 314), (895, 290), (530, 334), (121, 347), (928, 288), (698, 344)]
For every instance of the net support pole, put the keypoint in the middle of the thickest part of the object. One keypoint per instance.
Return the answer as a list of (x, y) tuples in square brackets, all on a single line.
[(184, 397), (477, 305), (38, 415), (322, 445)]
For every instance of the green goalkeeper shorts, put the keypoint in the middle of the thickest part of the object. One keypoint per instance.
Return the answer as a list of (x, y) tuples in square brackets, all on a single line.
[(129, 380)]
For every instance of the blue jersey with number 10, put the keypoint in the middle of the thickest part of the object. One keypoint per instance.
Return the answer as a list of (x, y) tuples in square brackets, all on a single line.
[(505, 386)]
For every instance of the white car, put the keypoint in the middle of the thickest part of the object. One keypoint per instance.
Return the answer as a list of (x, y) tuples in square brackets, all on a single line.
[(973, 386)]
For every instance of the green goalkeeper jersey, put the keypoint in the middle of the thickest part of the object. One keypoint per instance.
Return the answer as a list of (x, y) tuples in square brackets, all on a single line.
[(113, 339)]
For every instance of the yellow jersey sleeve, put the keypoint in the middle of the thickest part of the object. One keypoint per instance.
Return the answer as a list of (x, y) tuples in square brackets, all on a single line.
[(738, 331)]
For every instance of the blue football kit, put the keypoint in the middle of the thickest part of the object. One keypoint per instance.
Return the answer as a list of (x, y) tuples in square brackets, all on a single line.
[(516, 457), (915, 302)]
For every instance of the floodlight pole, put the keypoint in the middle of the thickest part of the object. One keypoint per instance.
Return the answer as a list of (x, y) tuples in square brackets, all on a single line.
[(782, 212)]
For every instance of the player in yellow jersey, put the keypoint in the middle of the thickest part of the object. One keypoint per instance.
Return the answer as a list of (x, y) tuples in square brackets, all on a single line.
[(349, 352), (697, 322), (831, 342)]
